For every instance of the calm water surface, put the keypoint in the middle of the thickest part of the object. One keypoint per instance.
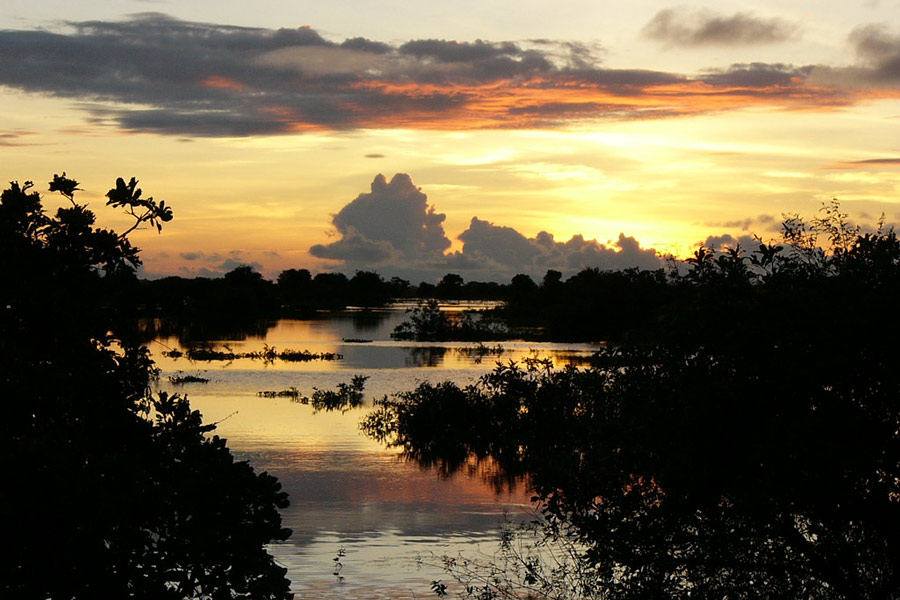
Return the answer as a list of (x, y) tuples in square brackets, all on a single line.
[(393, 518)]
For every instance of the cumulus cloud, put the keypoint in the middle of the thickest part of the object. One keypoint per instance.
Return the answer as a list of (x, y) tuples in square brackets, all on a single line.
[(155, 73), (392, 221), (684, 26), (503, 245), (499, 252), (507, 250), (393, 227), (727, 241), (353, 247)]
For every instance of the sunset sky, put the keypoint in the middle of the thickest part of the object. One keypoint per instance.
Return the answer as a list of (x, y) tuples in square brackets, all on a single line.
[(527, 135)]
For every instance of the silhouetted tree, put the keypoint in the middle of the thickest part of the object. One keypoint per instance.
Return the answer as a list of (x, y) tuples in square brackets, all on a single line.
[(330, 290), (450, 287), (522, 287), (109, 491), (248, 292), (294, 288), (367, 288)]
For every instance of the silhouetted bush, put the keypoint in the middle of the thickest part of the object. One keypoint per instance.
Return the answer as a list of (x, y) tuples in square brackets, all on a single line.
[(428, 322), (109, 491), (746, 446)]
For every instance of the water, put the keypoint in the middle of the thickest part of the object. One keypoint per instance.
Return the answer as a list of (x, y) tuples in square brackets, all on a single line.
[(392, 518)]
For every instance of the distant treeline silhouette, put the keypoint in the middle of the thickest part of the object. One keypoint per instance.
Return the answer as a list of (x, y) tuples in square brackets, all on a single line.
[(295, 292)]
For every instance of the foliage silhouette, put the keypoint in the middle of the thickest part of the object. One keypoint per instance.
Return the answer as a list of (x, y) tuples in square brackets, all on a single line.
[(745, 446), (344, 397), (428, 322), (109, 491), (268, 354)]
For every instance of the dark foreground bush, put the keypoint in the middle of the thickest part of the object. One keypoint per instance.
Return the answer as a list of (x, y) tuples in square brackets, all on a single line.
[(109, 491)]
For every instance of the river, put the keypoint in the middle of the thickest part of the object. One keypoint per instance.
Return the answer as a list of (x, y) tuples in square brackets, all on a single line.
[(366, 524)]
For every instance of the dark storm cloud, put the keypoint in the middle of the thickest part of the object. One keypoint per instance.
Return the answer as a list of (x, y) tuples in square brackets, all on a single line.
[(394, 228), (684, 26), (159, 74)]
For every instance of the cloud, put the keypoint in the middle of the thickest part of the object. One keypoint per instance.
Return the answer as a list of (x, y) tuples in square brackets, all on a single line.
[(155, 73), (727, 241), (191, 256), (353, 247), (760, 76), (764, 221), (212, 264), (392, 221), (869, 163), (877, 68), (393, 227), (16, 139), (503, 245), (879, 49), (689, 27), (503, 252)]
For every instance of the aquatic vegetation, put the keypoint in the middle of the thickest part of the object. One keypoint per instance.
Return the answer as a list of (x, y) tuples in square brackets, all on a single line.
[(291, 392), (181, 378), (269, 354), (344, 397), (427, 322)]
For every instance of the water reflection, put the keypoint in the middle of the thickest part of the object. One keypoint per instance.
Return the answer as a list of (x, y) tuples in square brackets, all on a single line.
[(426, 356), (189, 333), (369, 320), (346, 489)]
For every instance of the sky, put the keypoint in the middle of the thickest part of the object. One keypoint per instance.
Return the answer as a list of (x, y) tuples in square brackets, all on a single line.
[(480, 138)]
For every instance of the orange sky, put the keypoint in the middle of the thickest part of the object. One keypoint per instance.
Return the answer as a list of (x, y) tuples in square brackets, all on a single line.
[(646, 134)]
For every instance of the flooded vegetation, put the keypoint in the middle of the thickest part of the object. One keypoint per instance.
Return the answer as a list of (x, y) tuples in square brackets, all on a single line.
[(268, 354)]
